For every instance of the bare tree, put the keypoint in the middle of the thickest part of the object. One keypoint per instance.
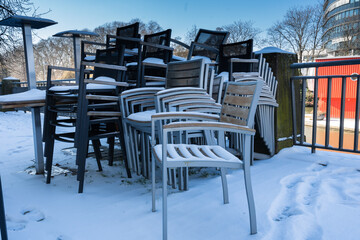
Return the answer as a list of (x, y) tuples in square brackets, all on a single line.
[(276, 39), (316, 30), (241, 31), (191, 34), (296, 29)]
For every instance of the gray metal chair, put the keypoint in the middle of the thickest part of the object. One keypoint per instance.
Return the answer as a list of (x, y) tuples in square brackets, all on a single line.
[(237, 115), (2, 216)]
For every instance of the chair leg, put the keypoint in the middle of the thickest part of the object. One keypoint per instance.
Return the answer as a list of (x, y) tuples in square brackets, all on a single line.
[(111, 141), (224, 185), (82, 152), (153, 184), (2, 216), (123, 148), (248, 187), (164, 202), (49, 149), (126, 139), (96, 145)]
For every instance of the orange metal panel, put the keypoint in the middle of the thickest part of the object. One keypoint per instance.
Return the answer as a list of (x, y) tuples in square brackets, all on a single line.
[(350, 94)]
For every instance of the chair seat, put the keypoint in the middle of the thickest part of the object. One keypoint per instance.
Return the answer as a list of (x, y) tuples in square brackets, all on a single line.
[(187, 155), (141, 117), (90, 86)]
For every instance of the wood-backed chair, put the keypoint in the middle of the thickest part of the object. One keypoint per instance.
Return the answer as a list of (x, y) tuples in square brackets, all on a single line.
[(237, 116)]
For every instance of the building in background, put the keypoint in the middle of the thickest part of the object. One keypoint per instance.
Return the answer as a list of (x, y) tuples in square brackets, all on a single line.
[(342, 27)]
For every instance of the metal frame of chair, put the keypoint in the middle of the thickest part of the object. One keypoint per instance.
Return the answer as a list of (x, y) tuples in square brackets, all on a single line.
[(237, 115), (137, 106), (2, 216)]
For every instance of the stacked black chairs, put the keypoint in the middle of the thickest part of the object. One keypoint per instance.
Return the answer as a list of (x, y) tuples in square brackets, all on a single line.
[(99, 115)]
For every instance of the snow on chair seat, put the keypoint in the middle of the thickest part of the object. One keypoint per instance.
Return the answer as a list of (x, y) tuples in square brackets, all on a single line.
[(30, 98)]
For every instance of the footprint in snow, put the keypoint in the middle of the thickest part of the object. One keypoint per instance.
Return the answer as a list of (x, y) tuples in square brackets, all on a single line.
[(13, 224), (33, 214)]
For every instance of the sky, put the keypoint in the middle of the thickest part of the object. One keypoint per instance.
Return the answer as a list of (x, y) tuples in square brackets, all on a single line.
[(178, 15)]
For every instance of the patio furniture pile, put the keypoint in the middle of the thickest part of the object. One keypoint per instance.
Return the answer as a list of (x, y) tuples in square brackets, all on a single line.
[(165, 111)]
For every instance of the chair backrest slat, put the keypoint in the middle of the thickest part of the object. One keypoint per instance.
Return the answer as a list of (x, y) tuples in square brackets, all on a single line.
[(185, 74), (240, 102)]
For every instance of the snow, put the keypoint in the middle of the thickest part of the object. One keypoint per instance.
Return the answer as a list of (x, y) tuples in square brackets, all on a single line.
[(272, 50), (298, 195), (30, 95)]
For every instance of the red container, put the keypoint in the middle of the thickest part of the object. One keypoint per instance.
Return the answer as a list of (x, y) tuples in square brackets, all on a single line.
[(350, 94)]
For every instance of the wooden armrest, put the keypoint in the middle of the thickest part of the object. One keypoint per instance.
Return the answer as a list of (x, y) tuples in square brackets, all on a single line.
[(227, 127), (183, 115), (243, 60), (119, 84), (50, 67), (102, 97), (180, 43), (129, 39), (102, 65), (162, 65)]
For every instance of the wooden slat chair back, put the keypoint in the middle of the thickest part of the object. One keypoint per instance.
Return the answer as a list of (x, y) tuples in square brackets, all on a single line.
[(185, 74), (238, 100), (237, 115)]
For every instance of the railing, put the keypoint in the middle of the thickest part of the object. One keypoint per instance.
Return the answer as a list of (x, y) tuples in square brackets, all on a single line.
[(23, 86), (299, 137)]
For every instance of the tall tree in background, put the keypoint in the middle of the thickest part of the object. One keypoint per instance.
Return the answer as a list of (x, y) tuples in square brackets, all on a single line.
[(10, 38), (300, 28), (241, 31)]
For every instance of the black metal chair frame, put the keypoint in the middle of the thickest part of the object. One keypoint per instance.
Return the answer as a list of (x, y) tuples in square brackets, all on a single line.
[(2, 216), (231, 60), (85, 122)]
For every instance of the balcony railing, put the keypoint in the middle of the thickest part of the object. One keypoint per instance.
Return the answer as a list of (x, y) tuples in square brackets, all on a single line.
[(299, 114)]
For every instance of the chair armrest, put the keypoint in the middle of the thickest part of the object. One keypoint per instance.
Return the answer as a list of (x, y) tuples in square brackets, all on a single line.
[(219, 126), (50, 68), (207, 47), (106, 66), (184, 115), (118, 84), (180, 43), (243, 60), (156, 46)]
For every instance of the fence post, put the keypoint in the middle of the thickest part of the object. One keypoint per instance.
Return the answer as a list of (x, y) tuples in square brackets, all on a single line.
[(280, 62), (8, 85)]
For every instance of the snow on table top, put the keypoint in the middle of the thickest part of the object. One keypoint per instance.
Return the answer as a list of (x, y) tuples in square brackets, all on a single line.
[(27, 96)]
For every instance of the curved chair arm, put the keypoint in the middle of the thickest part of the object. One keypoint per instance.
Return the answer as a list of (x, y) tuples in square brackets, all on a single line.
[(180, 43), (217, 126)]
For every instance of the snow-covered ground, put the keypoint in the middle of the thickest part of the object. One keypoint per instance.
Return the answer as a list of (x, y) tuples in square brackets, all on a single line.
[(298, 195)]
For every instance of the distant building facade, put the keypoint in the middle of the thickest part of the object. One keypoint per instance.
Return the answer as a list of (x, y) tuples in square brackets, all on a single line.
[(342, 27)]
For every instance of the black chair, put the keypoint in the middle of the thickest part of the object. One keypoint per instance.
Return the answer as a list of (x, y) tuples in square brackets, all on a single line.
[(150, 68), (2, 216), (237, 57), (205, 44), (99, 113)]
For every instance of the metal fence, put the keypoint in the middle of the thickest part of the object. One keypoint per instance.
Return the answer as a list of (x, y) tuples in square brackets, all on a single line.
[(299, 114), (23, 86)]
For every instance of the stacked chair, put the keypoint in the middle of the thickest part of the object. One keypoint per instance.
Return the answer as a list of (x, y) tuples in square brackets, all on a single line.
[(90, 109), (238, 63), (171, 149)]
